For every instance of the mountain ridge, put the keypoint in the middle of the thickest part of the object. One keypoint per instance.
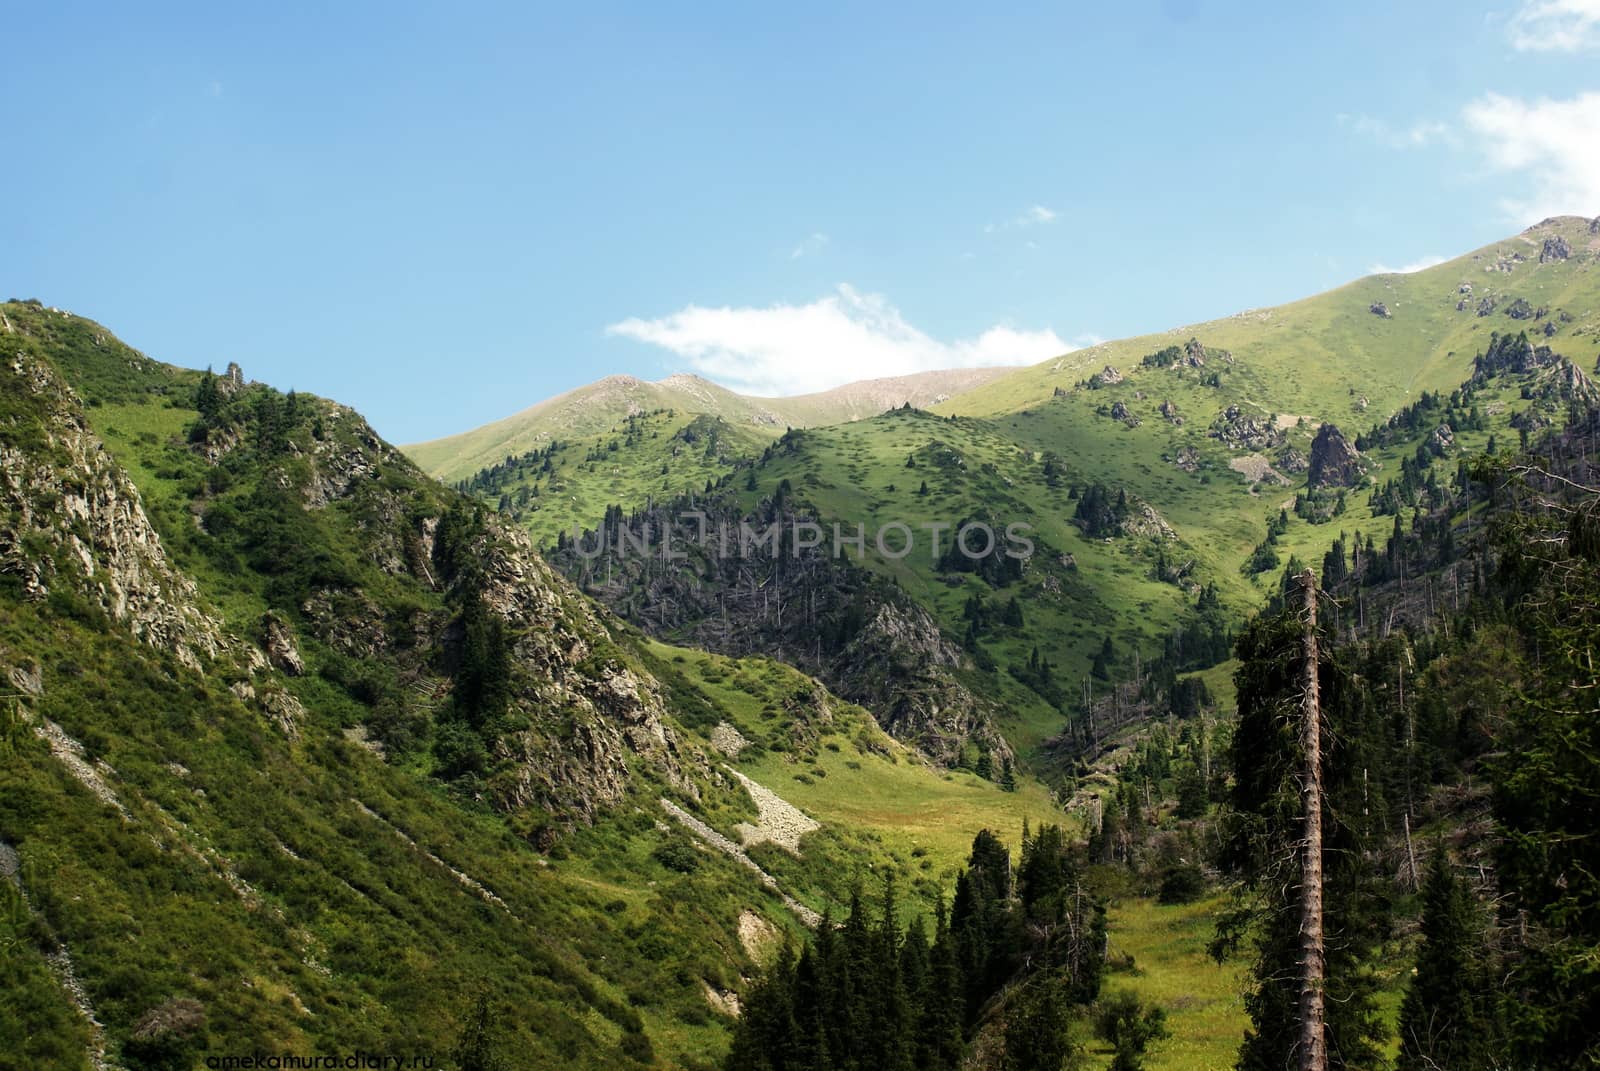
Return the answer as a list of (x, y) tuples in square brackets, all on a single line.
[(590, 409)]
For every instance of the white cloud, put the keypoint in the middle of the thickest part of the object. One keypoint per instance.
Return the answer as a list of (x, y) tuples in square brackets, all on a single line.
[(1415, 136), (1420, 264), (845, 336), (1556, 142), (1033, 216), (214, 90), (1556, 26), (811, 243)]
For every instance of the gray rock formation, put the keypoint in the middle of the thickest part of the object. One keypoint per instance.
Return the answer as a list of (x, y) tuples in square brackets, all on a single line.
[(1555, 248), (70, 497), (1335, 462), (1241, 431), (1378, 308), (278, 644), (864, 638), (1292, 461)]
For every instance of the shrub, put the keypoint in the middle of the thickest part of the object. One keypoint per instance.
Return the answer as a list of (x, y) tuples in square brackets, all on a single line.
[(1182, 884)]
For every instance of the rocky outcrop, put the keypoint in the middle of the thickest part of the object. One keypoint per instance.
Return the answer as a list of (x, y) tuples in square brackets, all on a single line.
[(1169, 412), (1335, 462), (1106, 377), (1555, 248), (1513, 354), (1520, 309), (1241, 431), (1292, 461), (1195, 355), (1568, 383), (864, 638), (278, 644), (1594, 225), (1487, 306), (1119, 412), (1443, 438), (1378, 308), (76, 522), (1187, 459)]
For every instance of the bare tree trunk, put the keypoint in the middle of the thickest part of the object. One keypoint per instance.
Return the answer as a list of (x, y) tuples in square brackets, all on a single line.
[(1411, 852), (1313, 1038)]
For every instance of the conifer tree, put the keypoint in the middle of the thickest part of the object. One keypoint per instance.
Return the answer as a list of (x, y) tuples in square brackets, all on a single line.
[(1442, 1023)]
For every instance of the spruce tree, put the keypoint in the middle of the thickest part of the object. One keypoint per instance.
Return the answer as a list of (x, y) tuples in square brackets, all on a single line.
[(1442, 1023)]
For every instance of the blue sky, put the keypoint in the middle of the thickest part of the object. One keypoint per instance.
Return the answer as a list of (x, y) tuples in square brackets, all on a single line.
[(442, 214)]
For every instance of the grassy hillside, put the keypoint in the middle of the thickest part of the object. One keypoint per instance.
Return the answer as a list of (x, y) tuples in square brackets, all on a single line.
[(1318, 357), (592, 410), (218, 872), (1213, 438)]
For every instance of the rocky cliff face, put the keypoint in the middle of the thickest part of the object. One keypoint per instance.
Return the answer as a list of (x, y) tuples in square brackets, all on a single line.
[(76, 523), (1335, 462), (584, 712), (826, 615), (591, 712)]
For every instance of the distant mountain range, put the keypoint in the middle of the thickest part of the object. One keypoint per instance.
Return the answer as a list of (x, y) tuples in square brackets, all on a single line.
[(591, 409)]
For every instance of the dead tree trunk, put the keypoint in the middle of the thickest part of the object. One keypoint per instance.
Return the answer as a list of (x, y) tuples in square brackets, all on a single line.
[(1313, 1038)]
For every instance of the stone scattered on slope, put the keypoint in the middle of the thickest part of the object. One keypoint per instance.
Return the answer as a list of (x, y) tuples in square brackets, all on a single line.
[(756, 934), (1378, 308), (70, 754), (1257, 469), (778, 821), (728, 740), (722, 1001), (736, 853)]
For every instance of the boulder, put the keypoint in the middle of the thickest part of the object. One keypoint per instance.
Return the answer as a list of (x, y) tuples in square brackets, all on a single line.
[(1378, 308)]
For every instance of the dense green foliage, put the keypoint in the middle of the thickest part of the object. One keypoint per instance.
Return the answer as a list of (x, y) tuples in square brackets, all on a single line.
[(874, 994)]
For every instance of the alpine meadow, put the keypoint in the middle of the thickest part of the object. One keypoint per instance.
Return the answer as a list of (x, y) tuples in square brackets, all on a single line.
[(829, 684)]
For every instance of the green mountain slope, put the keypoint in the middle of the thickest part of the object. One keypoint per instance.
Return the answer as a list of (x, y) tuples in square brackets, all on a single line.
[(304, 756), (1206, 435), (594, 409), (1319, 357)]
